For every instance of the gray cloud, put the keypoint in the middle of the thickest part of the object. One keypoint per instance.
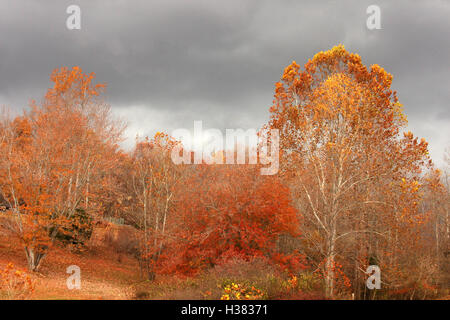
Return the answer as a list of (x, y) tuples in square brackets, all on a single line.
[(168, 63)]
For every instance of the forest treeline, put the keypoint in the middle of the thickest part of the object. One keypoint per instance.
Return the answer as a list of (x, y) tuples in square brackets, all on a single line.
[(354, 189)]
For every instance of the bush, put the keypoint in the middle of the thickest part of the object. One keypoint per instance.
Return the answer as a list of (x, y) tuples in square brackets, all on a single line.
[(78, 230), (237, 291), (235, 278), (250, 213), (15, 284)]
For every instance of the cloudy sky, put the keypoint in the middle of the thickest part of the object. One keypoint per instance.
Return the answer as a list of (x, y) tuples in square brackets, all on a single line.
[(168, 63)]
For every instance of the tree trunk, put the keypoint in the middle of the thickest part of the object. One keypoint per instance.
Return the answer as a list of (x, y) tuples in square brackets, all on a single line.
[(330, 274), (34, 259)]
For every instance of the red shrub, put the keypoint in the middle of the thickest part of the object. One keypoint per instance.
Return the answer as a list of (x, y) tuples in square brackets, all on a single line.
[(227, 211)]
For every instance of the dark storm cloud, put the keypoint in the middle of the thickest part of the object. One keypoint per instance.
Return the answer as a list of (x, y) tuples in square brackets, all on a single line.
[(168, 63)]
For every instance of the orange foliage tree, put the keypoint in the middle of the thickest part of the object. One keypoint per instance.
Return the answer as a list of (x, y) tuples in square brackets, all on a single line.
[(51, 155), (152, 180), (349, 170), (226, 211)]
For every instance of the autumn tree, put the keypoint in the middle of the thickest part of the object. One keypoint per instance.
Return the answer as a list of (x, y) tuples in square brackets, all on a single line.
[(51, 156), (435, 247), (224, 211), (153, 178), (350, 171)]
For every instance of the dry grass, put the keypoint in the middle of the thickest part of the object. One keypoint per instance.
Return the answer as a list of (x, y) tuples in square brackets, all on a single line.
[(102, 275), (108, 275), (209, 285)]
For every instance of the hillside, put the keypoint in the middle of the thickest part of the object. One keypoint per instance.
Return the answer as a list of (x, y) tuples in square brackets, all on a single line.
[(104, 274)]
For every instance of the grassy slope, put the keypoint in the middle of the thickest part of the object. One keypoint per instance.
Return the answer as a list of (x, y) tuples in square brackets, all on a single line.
[(107, 275), (104, 275)]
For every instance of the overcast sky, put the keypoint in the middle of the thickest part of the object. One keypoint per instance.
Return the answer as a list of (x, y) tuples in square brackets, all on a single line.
[(168, 63)]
